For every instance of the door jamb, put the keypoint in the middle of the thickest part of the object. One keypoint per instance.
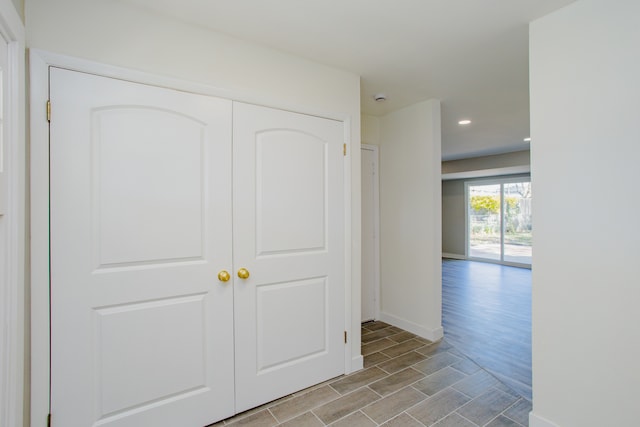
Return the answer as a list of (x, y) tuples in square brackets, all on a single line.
[(13, 289), (376, 227)]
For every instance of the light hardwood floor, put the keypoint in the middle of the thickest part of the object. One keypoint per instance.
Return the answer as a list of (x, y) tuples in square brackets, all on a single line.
[(486, 314)]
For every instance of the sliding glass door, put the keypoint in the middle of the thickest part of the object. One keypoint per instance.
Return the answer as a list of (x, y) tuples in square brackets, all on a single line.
[(499, 220)]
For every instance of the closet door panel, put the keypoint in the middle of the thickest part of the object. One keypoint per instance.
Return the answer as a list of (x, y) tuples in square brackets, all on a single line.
[(289, 236), (141, 327)]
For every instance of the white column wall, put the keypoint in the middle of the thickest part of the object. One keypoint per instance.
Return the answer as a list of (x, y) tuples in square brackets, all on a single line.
[(585, 149), (410, 219)]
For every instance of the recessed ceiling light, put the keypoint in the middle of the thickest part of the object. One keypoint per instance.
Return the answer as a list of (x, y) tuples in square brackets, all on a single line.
[(380, 97), (527, 139), (464, 122)]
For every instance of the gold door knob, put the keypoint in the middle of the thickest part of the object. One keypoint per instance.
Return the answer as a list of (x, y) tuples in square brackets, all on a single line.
[(224, 276), (243, 273)]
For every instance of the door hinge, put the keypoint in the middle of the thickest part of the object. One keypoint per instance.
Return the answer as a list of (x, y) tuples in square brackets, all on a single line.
[(344, 149), (48, 110), (345, 337), (49, 420)]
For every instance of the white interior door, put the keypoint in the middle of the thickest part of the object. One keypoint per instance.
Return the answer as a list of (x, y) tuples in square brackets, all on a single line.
[(141, 327), (370, 251), (289, 235)]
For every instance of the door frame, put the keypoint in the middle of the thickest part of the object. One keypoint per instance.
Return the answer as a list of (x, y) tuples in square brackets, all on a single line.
[(376, 226), (39, 63), (499, 180), (13, 287)]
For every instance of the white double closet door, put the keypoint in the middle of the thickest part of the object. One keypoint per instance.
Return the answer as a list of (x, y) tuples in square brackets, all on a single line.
[(154, 192)]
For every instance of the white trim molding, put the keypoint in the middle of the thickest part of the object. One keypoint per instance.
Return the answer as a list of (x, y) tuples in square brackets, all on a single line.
[(426, 333), (357, 363), (453, 256), (12, 224), (538, 421)]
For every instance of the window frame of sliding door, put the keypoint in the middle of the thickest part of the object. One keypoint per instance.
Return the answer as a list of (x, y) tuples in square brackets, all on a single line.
[(491, 181)]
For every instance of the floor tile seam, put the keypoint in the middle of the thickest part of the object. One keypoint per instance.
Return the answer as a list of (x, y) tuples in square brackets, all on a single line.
[(396, 392), (380, 339), (399, 415), (396, 344), (485, 370), (480, 395), (278, 422), (315, 387), (497, 377), (413, 418), (380, 397), (405, 410), (363, 385), (353, 412), (368, 417), (451, 386), (401, 354), (498, 416), (317, 418), (438, 370), (244, 415), (463, 373), (316, 406), (362, 337), (460, 415), (401, 369), (384, 370), (389, 375), (509, 418), (412, 385), (511, 406), (484, 391), (491, 420)]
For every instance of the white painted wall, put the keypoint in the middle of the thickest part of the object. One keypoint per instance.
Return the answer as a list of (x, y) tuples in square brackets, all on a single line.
[(585, 148), (370, 129), (410, 219), (115, 33), (19, 6)]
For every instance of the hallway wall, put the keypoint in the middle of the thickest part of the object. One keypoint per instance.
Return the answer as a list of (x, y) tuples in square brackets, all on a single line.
[(584, 114)]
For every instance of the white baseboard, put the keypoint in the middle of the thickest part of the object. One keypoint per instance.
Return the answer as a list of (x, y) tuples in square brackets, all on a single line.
[(538, 421), (434, 334), (453, 256), (357, 363)]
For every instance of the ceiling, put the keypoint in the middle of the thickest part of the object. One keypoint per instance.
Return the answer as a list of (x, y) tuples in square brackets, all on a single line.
[(470, 54)]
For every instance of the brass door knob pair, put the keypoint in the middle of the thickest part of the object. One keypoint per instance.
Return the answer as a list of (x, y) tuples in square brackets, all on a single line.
[(224, 275)]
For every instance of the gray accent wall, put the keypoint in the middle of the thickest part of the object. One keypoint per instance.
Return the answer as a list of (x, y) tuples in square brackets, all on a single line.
[(453, 221)]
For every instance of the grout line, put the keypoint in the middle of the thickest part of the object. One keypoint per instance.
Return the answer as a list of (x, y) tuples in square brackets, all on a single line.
[(413, 418), (462, 416)]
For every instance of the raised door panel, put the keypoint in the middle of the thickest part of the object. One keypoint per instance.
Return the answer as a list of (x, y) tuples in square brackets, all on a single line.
[(141, 328), (289, 234)]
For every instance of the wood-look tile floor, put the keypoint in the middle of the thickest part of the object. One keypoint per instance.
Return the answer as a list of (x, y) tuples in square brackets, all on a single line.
[(486, 314), (407, 381)]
